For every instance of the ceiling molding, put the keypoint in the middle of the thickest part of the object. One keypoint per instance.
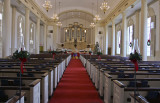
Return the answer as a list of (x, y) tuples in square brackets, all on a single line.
[(35, 9), (122, 6), (75, 10)]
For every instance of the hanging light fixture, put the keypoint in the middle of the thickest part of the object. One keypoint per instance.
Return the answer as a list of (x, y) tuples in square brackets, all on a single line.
[(47, 5), (97, 17), (104, 7), (92, 25), (85, 30), (55, 16), (59, 23)]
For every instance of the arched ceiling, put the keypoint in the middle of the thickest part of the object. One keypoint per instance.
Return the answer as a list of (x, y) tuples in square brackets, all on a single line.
[(78, 8)]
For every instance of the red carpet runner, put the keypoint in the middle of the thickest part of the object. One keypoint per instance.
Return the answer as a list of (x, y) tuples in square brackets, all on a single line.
[(75, 86)]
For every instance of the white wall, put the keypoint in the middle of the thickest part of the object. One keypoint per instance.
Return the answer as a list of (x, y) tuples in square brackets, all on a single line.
[(156, 9)]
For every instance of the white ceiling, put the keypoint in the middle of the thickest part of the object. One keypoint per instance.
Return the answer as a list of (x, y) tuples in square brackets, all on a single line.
[(79, 9), (78, 5)]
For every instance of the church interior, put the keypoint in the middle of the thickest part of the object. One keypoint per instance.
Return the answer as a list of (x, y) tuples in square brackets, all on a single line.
[(79, 51)]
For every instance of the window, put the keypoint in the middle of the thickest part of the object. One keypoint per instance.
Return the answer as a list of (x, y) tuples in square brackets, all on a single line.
[(129, 39), (0, 16), (31, 40), (149, 36), (0, 25), (20, 36), (31, 34), (118, 41)]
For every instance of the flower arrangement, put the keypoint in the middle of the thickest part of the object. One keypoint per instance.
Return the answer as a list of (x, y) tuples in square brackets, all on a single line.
[(135, 58), (90, 52), (22, 56), (65, 51), (99, 53), (53, 53)]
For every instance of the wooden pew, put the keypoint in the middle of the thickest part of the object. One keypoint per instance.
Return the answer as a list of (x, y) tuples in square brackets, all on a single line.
[(32, 92), (44, 83), (138, 99), (121, 93), (16, 99), (108, 84)]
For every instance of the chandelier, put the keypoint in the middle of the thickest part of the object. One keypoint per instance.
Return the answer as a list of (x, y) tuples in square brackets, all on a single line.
[(59, 24), (97, 17), (47, 5), (92, 25), (104, 7), (55, 16)]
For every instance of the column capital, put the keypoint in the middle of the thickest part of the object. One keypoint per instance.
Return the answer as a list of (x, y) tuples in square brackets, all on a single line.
[(113, 21), (137, 11), (13, 6), (38, 20)]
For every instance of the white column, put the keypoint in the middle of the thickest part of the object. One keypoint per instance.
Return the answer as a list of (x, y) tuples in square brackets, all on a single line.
[(137, 25), (6, 29), (106, 37), (13, 36), (93, 36), (37, 35), (124, 32), (54, 39), (144, 29), (45, 37), (113, 38), (104, 40), (26, 39)]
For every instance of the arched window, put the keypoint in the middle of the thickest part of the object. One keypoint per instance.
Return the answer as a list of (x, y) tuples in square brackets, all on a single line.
[(1, 6), (20, 31), (31, 38), (118, 40), (151, 32), (0, 25), (148, 36), (130, 36)]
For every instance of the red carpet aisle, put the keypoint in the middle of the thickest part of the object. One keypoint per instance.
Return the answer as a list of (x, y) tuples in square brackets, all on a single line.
[(75, 86)]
